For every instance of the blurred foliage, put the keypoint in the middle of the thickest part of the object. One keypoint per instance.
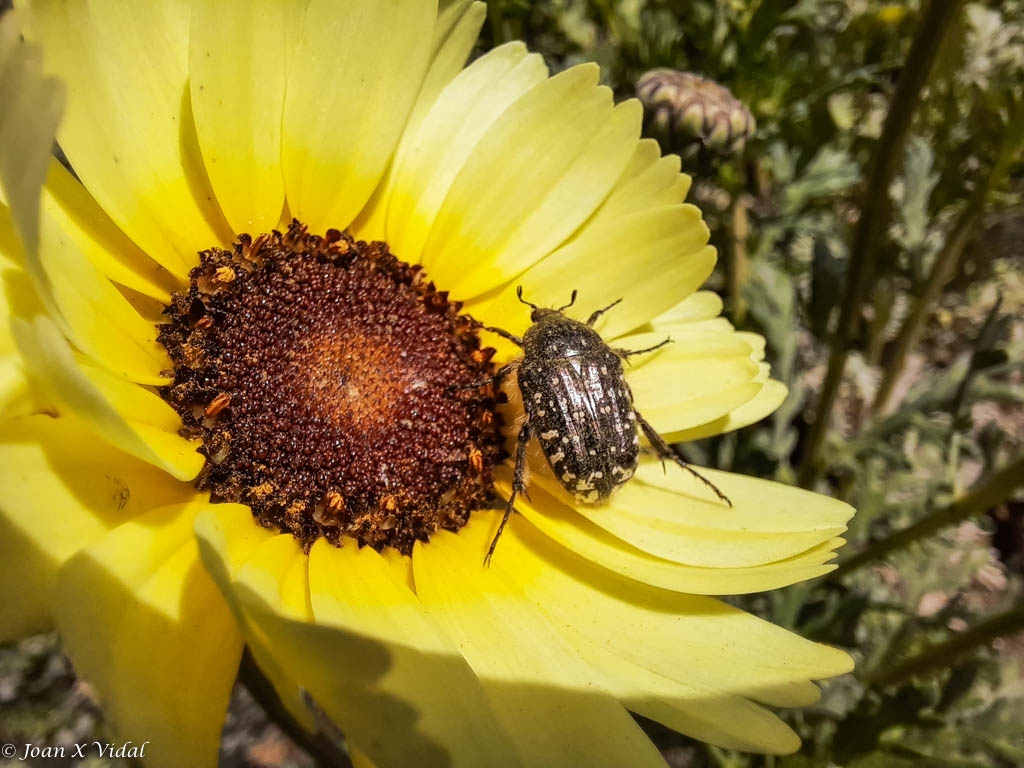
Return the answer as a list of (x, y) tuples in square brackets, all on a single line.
[(818, 77)]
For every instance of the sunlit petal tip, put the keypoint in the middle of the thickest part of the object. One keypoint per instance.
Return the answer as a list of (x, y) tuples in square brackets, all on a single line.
[(432, 153), (698, 306), (455, 34), (563, 129), (779, 506)]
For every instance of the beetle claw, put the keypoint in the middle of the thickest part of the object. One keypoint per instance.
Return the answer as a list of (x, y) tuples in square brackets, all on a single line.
[(665, 452)]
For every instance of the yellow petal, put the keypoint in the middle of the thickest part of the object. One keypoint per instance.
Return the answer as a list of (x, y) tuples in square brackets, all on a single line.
[(697, 710), (688, 412), (757, 344), (562, 147), (134, 419), (682, 520), (582, 187), (61, 490), (648, 259), (765, 402), (379, 687), (692, 381), (229, 536), (359, 760), (87, 306), (760, 505), (346, 106), (128, 131), (702, 305), (645, 156), (276, 576), (543, 692), (239, 57), (32, 106), (690, 639), (702, 705), (90, 311), (80, 218), (354, 589), (15, 395), (651, 181), (431, 157), (455, 33), (17, 297), (558, 205), (147, 627), (649, 531), (576, 534)]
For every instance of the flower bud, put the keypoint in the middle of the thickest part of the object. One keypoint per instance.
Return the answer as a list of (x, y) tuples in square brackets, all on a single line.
[(685, 108)]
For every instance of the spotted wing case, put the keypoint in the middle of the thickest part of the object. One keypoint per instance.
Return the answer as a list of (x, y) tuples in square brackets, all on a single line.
[(579, 407)]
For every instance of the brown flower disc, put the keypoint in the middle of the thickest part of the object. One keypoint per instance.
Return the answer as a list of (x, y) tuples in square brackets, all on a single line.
[(327, 381)]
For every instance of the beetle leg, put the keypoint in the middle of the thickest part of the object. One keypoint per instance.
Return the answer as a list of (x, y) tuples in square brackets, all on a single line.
[(663, 451), (593, 318), (626, 353), (500, 374), (505, 335), (518, 486)]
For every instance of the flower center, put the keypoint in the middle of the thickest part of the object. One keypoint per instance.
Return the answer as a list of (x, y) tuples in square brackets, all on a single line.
[(323, 377)]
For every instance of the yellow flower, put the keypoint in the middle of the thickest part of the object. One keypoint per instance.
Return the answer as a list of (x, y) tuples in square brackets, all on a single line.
[(186, 126)]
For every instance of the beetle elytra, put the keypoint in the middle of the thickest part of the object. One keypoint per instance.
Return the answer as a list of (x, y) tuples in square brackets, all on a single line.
[(579, 407)]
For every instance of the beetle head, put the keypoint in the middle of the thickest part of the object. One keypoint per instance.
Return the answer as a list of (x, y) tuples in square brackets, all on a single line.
[(541, 312)]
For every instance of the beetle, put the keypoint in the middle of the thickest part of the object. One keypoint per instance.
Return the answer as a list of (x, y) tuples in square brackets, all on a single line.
[(579, 406)]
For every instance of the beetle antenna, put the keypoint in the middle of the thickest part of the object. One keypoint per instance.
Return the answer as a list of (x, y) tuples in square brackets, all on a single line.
[(572, 300), (519, 293)]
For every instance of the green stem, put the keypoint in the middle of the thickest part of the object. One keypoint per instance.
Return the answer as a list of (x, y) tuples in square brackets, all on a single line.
[(610, 17), (322, 749), (943, 655), (942, 273), (787, 603), (948, 258), (883, 302), (496, 21), (938, 19), (991, 490)]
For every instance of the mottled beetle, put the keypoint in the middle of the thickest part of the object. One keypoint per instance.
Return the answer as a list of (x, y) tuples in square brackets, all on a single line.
[(579, 406)]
